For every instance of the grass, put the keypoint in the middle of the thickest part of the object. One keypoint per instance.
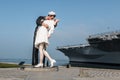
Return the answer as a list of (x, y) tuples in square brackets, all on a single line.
[(8, 65)]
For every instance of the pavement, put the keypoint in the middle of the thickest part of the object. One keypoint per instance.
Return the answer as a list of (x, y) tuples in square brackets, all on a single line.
[(61, 73), (98, 74)]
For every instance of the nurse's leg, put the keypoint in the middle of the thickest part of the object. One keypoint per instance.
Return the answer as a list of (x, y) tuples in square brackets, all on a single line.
[(41, 55), (52, 61), (46, 53), (41, 46)]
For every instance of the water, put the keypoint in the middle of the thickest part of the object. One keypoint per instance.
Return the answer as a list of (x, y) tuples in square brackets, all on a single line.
[(29, 61)]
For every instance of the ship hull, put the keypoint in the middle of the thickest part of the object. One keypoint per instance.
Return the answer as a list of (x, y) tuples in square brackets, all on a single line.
[(89, 54)]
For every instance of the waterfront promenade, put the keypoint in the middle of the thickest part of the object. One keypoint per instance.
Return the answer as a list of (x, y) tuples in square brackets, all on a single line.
[(72, 73)]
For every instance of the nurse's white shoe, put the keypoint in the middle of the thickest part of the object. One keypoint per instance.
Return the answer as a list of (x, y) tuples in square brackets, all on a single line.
[(52, 63), (39, 65)]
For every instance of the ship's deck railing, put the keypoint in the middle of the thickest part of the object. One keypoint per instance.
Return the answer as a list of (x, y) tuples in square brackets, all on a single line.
[(73, 46), (106, 35)]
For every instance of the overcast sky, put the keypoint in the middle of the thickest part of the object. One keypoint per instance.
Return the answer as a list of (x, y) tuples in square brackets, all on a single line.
[(78, 19)]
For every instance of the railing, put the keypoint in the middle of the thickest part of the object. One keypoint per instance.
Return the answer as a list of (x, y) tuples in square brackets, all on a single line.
[(72, 46), (106, 35)]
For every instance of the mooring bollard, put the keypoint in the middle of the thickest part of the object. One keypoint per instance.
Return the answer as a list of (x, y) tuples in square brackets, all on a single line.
[(57, 68), (68, 66)]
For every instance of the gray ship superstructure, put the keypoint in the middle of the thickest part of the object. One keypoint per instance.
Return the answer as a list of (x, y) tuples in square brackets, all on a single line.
[(101, 48)]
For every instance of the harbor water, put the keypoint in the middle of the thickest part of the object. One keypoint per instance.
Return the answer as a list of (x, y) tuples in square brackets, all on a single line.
[(29, 61)]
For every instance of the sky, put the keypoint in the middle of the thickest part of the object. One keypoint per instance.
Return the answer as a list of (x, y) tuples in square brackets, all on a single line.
[(78, 20)]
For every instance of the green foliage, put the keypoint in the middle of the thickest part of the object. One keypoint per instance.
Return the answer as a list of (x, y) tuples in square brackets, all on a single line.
[(7, 65)]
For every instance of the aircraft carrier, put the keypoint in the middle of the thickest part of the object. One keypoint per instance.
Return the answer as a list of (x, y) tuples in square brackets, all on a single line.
[(101, 48)]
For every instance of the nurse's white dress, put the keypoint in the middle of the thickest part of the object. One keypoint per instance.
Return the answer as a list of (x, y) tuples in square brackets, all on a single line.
[(43, 32)]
